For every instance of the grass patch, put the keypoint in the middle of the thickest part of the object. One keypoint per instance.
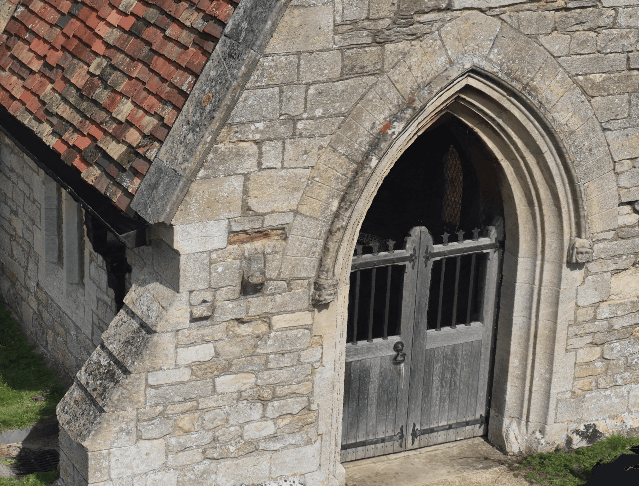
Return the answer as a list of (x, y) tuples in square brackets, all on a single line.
[(35, 479), (573, 468), (29, 391)]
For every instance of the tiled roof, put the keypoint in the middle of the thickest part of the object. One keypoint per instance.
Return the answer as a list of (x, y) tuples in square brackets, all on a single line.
[(102, 81)]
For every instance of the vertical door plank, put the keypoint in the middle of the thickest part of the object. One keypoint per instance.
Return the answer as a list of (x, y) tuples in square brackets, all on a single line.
[(371, 414), (354, 404), (362, 406), (453, 398), (427, 401), (464, 385)]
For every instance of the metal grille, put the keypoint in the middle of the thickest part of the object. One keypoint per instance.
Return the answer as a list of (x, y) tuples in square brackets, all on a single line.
[(453, 188), (377, 281)]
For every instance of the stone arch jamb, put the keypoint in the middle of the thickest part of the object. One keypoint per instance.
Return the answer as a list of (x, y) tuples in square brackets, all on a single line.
[(550, 184)]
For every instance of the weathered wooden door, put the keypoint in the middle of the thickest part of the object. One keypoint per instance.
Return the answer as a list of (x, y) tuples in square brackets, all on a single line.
[(419, 344)]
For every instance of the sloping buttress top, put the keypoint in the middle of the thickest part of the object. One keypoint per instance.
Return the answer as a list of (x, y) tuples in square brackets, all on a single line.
[(103, 81)]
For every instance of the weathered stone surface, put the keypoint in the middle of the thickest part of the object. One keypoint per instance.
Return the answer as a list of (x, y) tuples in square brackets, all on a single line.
[(169, 376), (234, 383), (557, 44), (593, 406), (155, 429), (257, 430), (294, 461), (303, 29), (293, 374), (335, 98), (287, 302), (624, 144), (245, 412), (304, 152), (595, 288), (290, 406), (193, 354), (229, 159), (284, 341), (210, 199), (257, 105), (250, 470), (231, 348), (179, 393), (611, 107), (276, 190), (625, 285), (274, 70), (584, 19), (320, 66), (142, 457), (181, 442), (292, 320), (200, 335), (226, 274)]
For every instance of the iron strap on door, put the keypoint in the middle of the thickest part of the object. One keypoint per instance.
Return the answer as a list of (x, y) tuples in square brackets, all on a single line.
[(431, 430), (398, 437)]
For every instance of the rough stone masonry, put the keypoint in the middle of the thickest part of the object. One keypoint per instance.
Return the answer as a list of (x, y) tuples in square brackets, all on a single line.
[(224, 365)]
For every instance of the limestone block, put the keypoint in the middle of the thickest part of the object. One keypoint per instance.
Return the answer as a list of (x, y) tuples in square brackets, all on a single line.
[(301, 460), (231, 348), (274, 70), (304, 152), (226, 274), (257, 131), (629, 178), (292, 320), (276, 190), (625, 285), (289, 406), (257, 105), (150, 299), (584, 19), (229, 159), (195, 237), (193, 354), (165, 478), (181, 407), (234, 383), (319, 127), (212, 419), (200, 474), (288, 302), (594, 63), (471, 34), (257, 430), (336, 98), (608, 84), (201, 335), (280, 341), (293, 100), (320, 66), (283, 360), (531, 22), (617, 308), (181, 442), (382, 9), (303, 29), (184, 458), (606, 249), (155, 429), (211, 199), (144, 456), (624, 144), (595, 288), (294, 374), (179, 393), (619, 349), (272, 154), (625, 321), (294, 423), (593, 406), (362, 60), (611, 107), (617, 40), (245, 412), (251, 328), (252, 469), (235, 448), (225, 311), (583, 43), (249, 363)]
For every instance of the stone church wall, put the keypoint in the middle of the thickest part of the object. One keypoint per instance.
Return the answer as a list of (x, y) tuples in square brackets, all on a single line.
[(64, 309)]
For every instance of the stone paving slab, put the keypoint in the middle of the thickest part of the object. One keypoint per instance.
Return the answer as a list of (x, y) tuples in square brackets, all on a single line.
[(471, 462)]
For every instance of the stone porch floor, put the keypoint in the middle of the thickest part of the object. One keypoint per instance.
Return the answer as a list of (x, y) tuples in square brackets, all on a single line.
[(471, 462)]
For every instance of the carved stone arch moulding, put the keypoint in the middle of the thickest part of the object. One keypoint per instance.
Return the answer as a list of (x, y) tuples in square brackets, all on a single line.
[(555, 175), (488, 74)]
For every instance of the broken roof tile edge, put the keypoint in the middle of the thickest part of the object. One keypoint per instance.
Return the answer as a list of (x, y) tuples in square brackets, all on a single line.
[(194, 132), (62, 64)]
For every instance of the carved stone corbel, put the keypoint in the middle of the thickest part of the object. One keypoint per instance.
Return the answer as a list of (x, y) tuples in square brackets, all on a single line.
[(580, 250), (325, 290)]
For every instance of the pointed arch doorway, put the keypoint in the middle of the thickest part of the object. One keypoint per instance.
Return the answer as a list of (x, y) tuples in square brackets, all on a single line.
[(422, 304)]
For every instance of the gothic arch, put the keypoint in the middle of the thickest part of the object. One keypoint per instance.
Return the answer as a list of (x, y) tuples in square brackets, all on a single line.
[(557, 180)]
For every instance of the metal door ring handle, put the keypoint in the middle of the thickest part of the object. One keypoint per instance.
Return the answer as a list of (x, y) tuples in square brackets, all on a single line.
[(401, 356)]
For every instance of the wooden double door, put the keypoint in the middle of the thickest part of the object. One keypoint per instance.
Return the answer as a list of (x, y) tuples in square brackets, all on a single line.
[(420, 339)]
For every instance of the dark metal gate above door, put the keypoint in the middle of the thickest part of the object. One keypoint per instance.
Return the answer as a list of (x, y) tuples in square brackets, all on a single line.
[(420, 335)]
